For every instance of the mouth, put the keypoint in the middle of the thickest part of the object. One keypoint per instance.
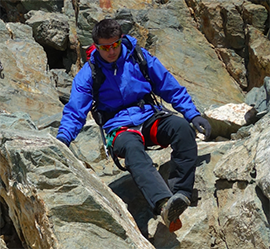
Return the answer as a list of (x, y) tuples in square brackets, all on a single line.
[(112, 56)]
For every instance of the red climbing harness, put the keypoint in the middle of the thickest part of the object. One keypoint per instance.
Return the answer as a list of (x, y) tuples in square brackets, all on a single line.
[(123, 129), (153, 133)]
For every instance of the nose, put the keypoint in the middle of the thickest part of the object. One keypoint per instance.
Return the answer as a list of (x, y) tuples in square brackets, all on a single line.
[(111, 50)]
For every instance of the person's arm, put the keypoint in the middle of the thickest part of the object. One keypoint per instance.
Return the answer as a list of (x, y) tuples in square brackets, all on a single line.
[(168, 88), (76, 110)]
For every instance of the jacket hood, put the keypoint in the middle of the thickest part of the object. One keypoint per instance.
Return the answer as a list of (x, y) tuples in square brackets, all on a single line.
[(130, 43)]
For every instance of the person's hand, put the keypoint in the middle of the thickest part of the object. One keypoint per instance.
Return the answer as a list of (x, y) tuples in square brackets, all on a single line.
[(202, 125)]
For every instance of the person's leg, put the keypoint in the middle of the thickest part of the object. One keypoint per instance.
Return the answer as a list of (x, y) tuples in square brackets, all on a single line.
[(180, 135), (130, 146)]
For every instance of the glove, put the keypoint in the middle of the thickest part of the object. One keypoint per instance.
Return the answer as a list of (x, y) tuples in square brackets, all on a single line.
[(64, 141), (199, 122)]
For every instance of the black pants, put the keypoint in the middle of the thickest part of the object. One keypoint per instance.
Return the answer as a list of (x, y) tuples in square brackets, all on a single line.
[(173, 131)]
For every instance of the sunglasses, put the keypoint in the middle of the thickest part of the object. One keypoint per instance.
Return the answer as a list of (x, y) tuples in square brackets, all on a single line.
[(107, 47)]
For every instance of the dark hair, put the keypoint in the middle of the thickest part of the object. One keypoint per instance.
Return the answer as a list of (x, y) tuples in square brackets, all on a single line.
[(106, 29)]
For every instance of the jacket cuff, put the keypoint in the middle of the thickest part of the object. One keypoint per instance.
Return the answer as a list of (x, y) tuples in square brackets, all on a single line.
[(63, 140)]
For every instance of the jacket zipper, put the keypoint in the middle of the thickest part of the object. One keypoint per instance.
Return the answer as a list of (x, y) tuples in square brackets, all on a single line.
[(115, 68)]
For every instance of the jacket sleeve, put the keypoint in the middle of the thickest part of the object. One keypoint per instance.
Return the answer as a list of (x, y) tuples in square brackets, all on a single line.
[(76, 110), (168, 88)]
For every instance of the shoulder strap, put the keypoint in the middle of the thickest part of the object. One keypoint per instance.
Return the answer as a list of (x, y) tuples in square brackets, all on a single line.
[(140, 59), (98, 78)]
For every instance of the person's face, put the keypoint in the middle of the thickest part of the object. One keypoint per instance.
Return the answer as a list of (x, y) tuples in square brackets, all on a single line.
[(112, 50)]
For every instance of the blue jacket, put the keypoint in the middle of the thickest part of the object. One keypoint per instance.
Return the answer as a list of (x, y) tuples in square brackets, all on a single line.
[(124, 85)]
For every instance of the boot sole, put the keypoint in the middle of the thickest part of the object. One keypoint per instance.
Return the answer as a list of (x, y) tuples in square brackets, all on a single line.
[(176, 208), (176, 205)]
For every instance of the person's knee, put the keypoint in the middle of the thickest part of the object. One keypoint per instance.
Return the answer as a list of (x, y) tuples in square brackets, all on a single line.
[(127, 141), (184, 130), (184, 137)]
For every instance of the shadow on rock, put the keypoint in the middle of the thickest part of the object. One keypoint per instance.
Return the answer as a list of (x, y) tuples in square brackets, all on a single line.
[(142, 213)]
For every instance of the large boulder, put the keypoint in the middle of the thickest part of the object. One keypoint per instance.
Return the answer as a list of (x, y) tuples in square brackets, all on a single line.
[(49, 29), (53, 200), (237, 25), (25, 80)]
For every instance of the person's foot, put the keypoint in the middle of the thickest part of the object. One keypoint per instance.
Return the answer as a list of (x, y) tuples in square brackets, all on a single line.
[(172, 209)]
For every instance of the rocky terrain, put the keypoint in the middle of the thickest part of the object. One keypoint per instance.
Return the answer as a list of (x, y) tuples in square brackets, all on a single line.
[(56, 197)]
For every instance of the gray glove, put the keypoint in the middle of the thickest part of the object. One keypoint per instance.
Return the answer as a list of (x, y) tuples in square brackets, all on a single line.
[(199, 122)]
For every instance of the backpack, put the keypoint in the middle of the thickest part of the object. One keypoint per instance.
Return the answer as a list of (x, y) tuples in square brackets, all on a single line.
[(89, 50), (98, 77)]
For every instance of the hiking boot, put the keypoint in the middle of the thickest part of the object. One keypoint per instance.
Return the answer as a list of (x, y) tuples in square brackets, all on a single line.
[(172, 209)]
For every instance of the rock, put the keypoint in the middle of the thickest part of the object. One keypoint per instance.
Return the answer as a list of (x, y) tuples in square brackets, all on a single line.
[(235, 65), (259, 97), (49, 193), (63, 83), (237, 25), (3, 244), (233, 26), (243, 132), (47, 6), (261, 161), (26, 84), (16, 121), (12, 11), (241, 216), (246, 166), (19, 31), (59, 193), (52, 121), (49, 29), (4, 33), (255, 15), (227, 119), (265, 3), (259, 58)]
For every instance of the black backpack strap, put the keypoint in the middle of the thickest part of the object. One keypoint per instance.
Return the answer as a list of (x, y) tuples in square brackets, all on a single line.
[(140, 59), (98, 78)]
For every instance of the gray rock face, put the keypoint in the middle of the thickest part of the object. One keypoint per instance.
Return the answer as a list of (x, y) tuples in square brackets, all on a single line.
[(228, 119), (55, 197), (259, 97), (49, 29), (237, 25), (25, 81)]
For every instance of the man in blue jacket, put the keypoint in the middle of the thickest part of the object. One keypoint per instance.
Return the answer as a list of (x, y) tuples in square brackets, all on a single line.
[(133, 124)]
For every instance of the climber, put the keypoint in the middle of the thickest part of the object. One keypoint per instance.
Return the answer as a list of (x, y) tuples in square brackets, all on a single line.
[(133, 120)]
